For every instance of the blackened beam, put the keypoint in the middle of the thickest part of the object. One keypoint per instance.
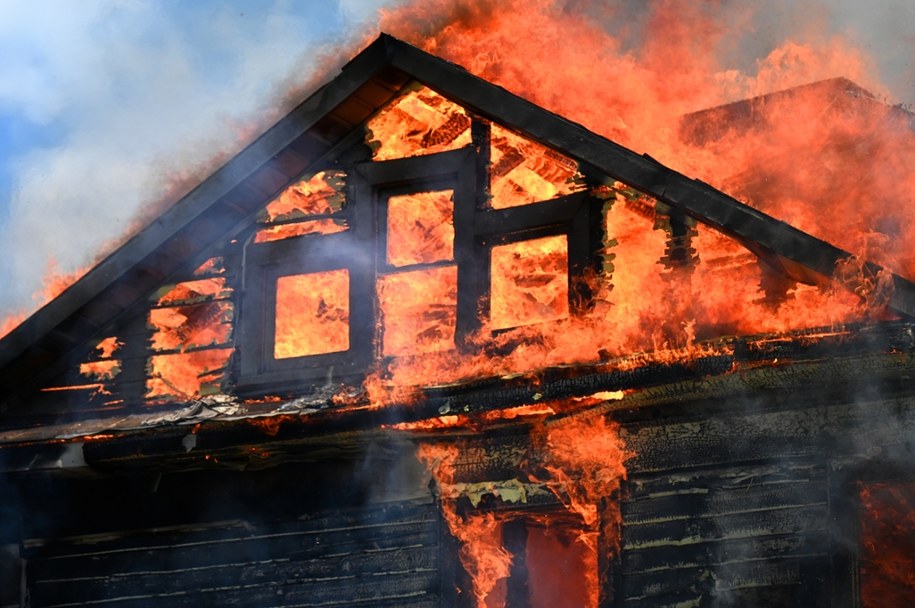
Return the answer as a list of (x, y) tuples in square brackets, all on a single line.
[(712, 381), (773, 240)]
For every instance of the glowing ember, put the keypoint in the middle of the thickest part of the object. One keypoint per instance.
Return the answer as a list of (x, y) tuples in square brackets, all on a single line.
[(530, 282), (887, 570), (419, 310), (312, 314), (420, 228), (287, 231), (420, 122)]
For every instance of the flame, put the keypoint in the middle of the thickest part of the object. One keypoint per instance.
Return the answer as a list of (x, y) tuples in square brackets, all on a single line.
[(418, 310), (184, 376), (312, 314), (583, 461), (525, 172), (287, 231), (420, 122), (420, 228), (529, 282), (320, 194), (482, 554)]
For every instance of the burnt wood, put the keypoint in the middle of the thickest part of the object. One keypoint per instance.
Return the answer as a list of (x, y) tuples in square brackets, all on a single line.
[(123, 280)]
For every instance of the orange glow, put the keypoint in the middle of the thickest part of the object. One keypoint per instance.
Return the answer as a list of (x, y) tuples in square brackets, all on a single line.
[(529, 282), (561, 570), (419, 310), (312, 314), (525, 172), (185, 376), (420, 228), (210, 267), (887, 566), (107, 347), (287, 231), (419, 122), (321, 194), (270, 425), (586, 461)]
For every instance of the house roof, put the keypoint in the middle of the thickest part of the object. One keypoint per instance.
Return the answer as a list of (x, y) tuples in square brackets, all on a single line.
[(183, 235)]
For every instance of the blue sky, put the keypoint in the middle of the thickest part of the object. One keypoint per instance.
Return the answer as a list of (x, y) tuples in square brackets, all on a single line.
[(102, 100)]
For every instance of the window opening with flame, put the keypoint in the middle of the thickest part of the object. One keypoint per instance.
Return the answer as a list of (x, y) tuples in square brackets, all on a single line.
[(312, 314), (420, 122), (431, 256), (529, 282), (191, 324), (418, 297), (524, 172), (309, 206)]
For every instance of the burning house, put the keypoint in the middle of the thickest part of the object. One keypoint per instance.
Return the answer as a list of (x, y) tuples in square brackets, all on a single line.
[(424, 343)]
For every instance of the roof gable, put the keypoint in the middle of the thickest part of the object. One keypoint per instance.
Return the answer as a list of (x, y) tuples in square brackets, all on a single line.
[(185, 236)]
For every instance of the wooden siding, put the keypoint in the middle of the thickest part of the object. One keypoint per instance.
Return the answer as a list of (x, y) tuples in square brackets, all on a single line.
[(373, 557)]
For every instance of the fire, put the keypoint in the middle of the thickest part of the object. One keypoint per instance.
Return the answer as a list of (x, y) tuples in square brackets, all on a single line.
[(418, 310), (312, 314), (525, 172), (184, 376), (529, 282), (320, 194), (420, 228), (583, 463), (887, 533), (420, 122), (287, 231), (482, 555)]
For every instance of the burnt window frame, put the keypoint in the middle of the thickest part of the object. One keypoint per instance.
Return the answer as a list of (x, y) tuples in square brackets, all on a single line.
[(377, 181), (302, 255), (846, 513), (362, 251), (577, 216)]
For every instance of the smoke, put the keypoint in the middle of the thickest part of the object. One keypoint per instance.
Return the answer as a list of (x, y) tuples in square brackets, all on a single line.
[(124, 105)]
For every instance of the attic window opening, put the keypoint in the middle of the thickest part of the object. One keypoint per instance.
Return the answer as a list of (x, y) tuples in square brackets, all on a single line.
[(308, 206), (420, 122), (524, 172), (192, 325), (529, 282), (312, 314)]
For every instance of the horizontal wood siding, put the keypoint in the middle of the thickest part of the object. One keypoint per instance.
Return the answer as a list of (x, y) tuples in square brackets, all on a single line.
[(373, 557), (731, 535)]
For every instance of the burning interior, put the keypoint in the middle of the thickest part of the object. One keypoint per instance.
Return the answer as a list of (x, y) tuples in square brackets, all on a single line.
[(427, 344)]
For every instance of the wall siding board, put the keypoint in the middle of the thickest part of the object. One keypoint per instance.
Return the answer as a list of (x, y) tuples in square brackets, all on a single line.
[(375, 556)]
